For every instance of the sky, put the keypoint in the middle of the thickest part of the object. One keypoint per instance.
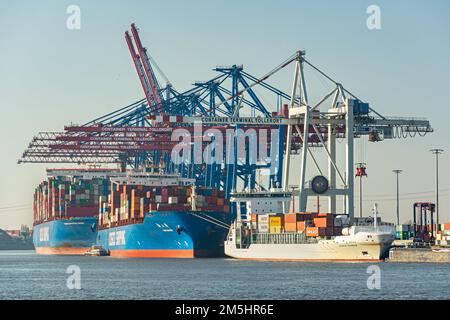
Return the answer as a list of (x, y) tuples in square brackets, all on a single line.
[(51, 76)]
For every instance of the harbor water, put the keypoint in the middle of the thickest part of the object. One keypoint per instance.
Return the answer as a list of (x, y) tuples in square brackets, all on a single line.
[(26, 275)]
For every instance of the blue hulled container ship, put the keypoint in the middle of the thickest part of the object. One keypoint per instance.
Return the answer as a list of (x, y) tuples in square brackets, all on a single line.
[(162, 216), (166, 234), (66, 209), (72, 236)]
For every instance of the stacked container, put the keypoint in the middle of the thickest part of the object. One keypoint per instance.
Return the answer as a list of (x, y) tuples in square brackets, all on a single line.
[(312, 224), (263, 223), (276, 223), (129, 203), (403, 232), (66, 197), (297, 222)]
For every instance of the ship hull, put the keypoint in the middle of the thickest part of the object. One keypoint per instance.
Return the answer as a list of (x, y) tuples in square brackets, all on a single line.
[(321, 251), (170, 234), (65, 237), (309, 252)]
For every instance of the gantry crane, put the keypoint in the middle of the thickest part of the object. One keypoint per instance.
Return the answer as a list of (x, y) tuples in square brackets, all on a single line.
[(140, 141), (347, 117), (140, 133), (144, 69)]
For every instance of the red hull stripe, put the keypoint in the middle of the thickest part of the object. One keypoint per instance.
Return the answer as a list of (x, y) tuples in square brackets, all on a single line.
[(314, 260), (61, 250), (153, 253)]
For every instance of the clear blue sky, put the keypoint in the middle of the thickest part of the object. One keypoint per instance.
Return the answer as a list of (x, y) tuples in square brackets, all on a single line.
[(51, 76)]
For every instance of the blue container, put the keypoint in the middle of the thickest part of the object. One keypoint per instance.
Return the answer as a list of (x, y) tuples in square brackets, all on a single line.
[(361, 108)]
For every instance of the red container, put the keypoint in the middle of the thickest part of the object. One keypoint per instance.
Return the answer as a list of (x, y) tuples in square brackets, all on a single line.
[(82, 211), (171, 207)]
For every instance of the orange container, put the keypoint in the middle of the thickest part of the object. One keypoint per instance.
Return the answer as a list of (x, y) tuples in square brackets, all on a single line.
[(220, 201), (292, 217), (323, 222), (315, 232), (301, 225), (254, 217), (290, 226), (447, 226)]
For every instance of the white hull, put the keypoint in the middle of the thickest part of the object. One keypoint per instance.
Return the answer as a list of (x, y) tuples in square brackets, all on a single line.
[(361, 247)]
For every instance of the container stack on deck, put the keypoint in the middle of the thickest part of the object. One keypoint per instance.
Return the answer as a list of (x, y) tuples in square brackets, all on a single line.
[(312, 224), (128, 203), (443, 236), (65, 197), (403, 232)]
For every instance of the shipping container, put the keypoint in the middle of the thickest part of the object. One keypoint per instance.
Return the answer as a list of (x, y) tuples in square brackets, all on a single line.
[(275, 229), (403, 227), (301, 226), (315, 232), (290, 226), (276, 221), (324, 221), (263, 218)]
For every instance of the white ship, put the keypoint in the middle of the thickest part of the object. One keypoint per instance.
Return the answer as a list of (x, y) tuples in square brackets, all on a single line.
[(356, 244)]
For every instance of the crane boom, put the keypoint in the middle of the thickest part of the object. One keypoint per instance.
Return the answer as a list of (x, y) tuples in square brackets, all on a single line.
[(139, 69), (154, 86)]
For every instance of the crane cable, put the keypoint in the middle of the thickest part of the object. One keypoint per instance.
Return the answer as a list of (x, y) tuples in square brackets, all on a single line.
[(159, 69)]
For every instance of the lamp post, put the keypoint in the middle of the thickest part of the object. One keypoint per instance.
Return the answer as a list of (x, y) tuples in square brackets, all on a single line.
[(397, 172), (437, 152)]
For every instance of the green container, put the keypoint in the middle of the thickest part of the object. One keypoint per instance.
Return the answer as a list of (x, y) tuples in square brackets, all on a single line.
[(406, 235), (402, 235)]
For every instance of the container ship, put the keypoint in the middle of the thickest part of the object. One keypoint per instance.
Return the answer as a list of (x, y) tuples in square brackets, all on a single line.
[(66, 209), (149, 215), (269, 234)]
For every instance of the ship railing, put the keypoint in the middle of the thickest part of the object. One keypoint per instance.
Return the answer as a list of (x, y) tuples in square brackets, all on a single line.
[(380, 228), (281, 238), (368, 224)]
